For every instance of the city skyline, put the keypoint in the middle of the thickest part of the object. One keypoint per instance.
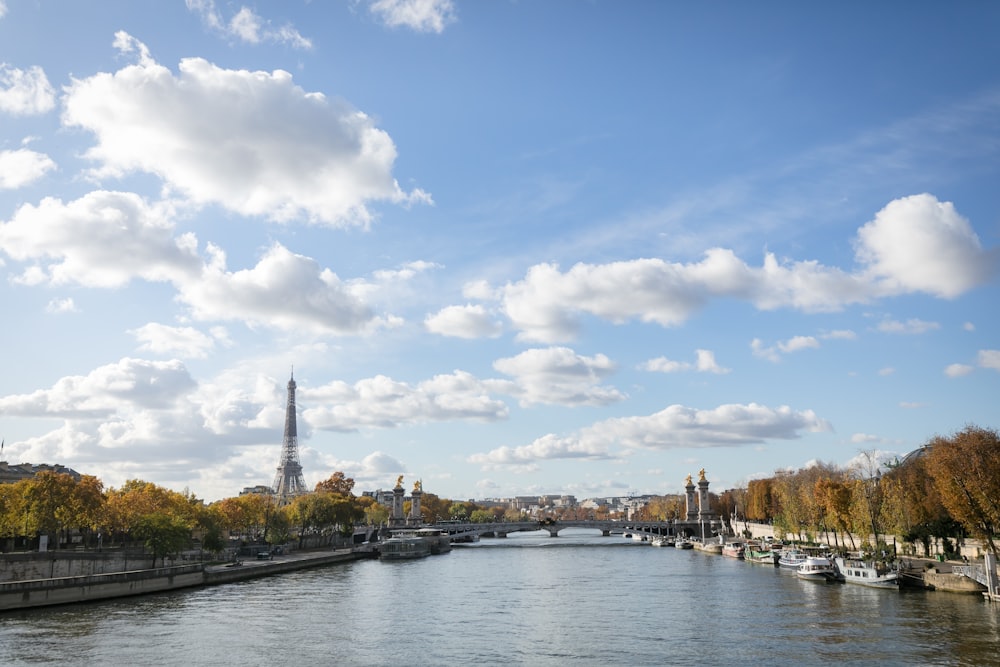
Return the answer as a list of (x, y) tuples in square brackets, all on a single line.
[(510, 249)]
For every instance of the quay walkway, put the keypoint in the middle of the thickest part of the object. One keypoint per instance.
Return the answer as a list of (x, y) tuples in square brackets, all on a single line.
[(31, 593)]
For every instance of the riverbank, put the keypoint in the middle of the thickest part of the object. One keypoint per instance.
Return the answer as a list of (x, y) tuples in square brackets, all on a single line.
[(44, 592)]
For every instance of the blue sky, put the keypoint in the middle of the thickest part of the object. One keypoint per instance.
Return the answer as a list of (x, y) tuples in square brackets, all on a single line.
[(510, 248)]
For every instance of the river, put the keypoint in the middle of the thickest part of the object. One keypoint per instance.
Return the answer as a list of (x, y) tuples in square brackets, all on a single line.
[(529, 599)]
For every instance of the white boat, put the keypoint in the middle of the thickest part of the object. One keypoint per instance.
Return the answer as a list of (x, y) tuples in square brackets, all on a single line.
[(663, 541), (817, 568), (733, 549), (791, 558), (684, 543), (866, 573)]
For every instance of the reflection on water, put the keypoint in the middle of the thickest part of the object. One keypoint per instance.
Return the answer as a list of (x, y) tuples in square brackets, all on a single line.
[(527, 599)]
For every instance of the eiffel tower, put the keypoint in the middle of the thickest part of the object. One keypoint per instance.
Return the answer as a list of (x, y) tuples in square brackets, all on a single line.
[(288, 483)]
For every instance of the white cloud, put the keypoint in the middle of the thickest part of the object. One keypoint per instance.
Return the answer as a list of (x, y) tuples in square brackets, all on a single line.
[(468, 321), (912, 405), (558, 375), (547, 303), (675, 427), (862, 438), (253, 142), (912, 326), (21, 167), (885, 372), (103, 239), (381, 402), (919, 244), (989, 359), (842, 334), (704, 363), (958, 370), (284, 290), (128, 384), (3, 9), (969, 326), (59, 306), (247, 26), (185, 342), (418, 15), (774, 352), (25, 92)]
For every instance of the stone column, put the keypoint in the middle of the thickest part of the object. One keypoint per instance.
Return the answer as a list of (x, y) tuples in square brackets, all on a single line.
[(692, 510), (397, 518), (704, 508), (416, 517)]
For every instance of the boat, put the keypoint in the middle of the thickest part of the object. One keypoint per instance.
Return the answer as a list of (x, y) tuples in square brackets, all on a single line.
[(404, 545), (683, 543), (663, 541), (734, 549), (757, 553), (867, 573), (817, 568), (438, 540), (792, 558)]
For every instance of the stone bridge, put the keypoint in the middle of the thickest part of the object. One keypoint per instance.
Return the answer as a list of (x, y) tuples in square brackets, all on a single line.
[(646, 528)]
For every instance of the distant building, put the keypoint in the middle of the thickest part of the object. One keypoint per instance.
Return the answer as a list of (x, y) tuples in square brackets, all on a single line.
[(15, 473), (259, 490)]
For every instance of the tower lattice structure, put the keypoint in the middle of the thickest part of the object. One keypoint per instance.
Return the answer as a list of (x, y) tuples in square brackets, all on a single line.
[(288, 483)]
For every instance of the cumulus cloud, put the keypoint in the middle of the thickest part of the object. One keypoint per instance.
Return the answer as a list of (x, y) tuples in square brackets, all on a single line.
[(25, 92), (253, 142), (247, 26), (958, 370), (381, 402), (59, 306), (704, 363), (103, 239), (418, 15), (774, 352), (21, 167), (468, 321), (167, 422), (284, 290), (547, 304), (989, 359), (107, 239), (105, 390), (558, 375), (920, 244), (674, 427)]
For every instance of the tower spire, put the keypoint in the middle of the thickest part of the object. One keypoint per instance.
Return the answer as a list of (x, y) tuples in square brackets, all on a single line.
[(288, 483)]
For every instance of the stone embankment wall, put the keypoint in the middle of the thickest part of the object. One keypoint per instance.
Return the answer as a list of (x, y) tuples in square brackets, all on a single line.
[(45, 590), (57, 564), (63, 590)]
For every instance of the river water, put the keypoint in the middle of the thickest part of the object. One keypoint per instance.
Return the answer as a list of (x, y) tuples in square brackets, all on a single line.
[(529, 599)]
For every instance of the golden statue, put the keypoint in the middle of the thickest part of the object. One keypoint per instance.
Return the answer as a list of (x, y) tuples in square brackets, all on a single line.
[(399, 481), (701, 475), (417, 486), (687, 480)]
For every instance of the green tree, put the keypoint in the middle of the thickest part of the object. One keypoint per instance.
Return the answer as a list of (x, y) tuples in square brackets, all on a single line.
[(162, 534)]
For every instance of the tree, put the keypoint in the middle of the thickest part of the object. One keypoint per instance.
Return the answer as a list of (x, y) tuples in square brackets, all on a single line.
[(869, 491), (966, 472), (162, 534), (49, 502), (337, 483)]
